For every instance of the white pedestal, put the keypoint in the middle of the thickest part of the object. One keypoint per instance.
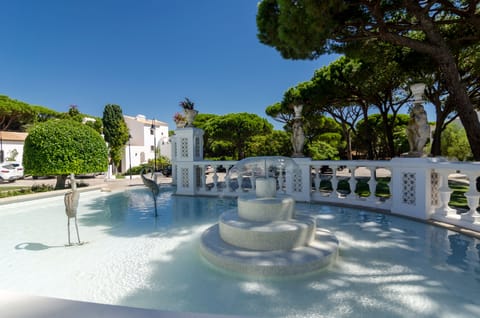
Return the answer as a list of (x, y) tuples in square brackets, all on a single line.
[(411, 186)]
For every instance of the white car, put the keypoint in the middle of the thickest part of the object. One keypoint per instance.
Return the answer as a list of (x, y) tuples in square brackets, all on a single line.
[(8, 172), (18, 169)]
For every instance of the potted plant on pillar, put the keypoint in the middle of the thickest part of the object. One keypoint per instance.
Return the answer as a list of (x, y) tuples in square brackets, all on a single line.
[(179, 120), (190, 112)]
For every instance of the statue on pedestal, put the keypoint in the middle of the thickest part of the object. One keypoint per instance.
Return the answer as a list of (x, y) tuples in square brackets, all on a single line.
[(298, 137), (418, 129)]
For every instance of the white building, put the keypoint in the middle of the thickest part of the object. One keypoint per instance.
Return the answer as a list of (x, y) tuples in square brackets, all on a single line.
[(140, 149), (11, 143)]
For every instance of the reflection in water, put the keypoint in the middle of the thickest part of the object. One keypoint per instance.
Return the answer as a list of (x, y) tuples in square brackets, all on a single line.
[(477, 267), (133, 209), (458, 246)]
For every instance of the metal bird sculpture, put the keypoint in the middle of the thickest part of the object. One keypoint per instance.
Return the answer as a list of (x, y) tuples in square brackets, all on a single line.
[(71, 204), (153, 186)]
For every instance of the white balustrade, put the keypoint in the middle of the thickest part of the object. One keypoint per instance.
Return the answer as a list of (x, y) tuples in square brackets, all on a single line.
[(433, 179), (352, 183), (317, 179), (215, 178), (372, 184), (444, 195), (334, 182), (473, 197)]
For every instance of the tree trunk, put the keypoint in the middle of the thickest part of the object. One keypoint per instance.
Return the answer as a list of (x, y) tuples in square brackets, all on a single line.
[(466, 112), (61, 180), (389, 136), (348, 139), (436, 148), (368, 131)]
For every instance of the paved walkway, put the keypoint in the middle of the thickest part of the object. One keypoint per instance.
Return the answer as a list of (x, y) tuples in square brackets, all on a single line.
[(93, 181)]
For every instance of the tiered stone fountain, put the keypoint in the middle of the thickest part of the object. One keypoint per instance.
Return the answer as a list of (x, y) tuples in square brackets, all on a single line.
[(264, 236)]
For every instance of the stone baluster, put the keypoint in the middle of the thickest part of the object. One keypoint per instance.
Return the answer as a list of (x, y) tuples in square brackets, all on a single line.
[(390, 186), (203, 178), (352, 182), (281, 180), (372, 184), (228, 187), (317, 178), (215, 179), (473, 197), (334, 182), (444, 193)]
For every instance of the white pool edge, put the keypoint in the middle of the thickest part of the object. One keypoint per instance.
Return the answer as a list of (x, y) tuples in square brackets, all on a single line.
[(17, 305)]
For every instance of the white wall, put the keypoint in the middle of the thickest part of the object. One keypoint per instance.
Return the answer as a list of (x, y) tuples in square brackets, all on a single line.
[(142, 141)]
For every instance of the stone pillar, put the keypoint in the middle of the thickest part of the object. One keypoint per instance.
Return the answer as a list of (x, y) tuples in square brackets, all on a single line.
[(411, 187), (299, 184), (187, 147)]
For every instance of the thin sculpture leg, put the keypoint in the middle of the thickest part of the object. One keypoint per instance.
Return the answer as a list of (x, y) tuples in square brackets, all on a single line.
[(78, 234), (71, 204), (68, 228)]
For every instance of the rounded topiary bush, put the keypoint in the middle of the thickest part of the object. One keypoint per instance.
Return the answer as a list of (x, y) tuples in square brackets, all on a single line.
[(61, 147)]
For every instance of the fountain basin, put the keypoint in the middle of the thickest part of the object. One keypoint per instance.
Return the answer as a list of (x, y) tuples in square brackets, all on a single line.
[(252, 208), (322, 252), (266, 236)]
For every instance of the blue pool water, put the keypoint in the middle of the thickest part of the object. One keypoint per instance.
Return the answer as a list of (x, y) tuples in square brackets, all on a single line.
[(387, 267)]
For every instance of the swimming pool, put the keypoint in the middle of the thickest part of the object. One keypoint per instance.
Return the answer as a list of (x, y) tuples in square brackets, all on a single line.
[(388, 266)]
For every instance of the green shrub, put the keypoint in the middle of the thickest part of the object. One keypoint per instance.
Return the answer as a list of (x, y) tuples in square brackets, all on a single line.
[(61, 147), (41, 188)]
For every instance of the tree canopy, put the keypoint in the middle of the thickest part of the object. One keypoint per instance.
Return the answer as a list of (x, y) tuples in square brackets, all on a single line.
[(237, 129), (15, 115), (348, 89), (306, 29), (115, 131), (19, 116), (61, 147)]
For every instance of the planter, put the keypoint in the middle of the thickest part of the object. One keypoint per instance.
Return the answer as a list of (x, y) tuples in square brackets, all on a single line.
[(181, 124), (190, 115)]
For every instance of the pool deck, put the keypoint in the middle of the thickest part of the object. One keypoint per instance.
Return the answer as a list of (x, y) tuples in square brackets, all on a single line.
[(14, 305)]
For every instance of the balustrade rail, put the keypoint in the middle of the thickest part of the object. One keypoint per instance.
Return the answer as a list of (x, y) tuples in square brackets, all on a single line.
[(420, 187)]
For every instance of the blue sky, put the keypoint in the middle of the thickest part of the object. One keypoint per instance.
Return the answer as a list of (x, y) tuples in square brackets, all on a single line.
[(144, 55)]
